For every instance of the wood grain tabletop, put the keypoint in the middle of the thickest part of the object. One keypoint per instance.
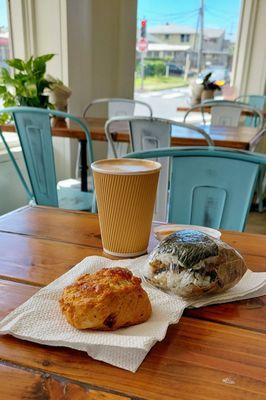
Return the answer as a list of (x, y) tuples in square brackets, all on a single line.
[(216, 352), (242, 137)]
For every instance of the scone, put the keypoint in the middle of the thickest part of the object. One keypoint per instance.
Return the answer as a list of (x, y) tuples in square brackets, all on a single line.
[(106, 300), (190, 263)]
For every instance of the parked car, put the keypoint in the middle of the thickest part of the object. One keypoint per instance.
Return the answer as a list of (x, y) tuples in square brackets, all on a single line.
[(175, 69), (219, 73)]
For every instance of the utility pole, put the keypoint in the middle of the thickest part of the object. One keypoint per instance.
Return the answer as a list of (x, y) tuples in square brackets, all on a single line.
[(201, 37)]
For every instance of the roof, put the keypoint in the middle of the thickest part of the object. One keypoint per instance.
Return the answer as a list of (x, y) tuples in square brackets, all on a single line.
[(167, 47), (170, 28), (150, 38), (173, 28), (213, 33)]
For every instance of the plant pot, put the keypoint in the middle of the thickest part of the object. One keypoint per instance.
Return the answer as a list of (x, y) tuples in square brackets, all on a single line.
[(207, 94), (196, 90), (59, 122), (59, 97)]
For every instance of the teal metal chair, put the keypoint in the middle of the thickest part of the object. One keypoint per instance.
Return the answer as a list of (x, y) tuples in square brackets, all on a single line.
[(228, 113), (147, 133), (34, 132), (254, 100), (257, 101), (209, 186)]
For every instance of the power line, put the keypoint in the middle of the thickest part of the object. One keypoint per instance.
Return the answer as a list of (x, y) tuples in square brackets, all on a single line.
[(172, 18), (221, 13), (181, 13), (219, 17)]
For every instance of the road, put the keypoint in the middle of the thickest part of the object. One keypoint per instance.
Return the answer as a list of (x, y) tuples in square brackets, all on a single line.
[(165, 102)]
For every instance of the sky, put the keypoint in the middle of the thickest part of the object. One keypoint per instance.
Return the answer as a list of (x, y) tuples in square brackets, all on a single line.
[(218, 13), (3, 13)]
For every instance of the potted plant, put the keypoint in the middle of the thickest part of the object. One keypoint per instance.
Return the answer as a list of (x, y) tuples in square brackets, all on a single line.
[(28, 85), (209, 88), (196, 89)]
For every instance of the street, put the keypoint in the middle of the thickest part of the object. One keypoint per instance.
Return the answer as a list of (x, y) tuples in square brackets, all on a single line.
[(165, 102)]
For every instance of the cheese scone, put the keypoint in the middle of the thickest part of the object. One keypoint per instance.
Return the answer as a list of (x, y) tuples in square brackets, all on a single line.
[(106, 300)]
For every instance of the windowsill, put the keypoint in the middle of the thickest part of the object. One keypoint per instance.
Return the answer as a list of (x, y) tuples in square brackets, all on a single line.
[(12, 141), (4, 157)]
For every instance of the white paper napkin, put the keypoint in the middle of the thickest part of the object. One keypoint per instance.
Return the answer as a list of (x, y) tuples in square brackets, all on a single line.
[(40, 320)]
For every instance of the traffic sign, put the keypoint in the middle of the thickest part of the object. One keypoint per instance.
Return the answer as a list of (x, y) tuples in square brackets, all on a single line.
[(142, 45)]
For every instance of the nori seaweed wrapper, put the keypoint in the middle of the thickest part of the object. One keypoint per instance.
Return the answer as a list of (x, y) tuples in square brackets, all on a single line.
[(189, 246)]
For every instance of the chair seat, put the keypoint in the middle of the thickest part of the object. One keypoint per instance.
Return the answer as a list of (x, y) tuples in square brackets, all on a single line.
[(70, 196), (67, 184)]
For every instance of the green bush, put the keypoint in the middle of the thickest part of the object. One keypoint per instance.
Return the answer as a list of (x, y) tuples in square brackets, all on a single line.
[(153, 67)]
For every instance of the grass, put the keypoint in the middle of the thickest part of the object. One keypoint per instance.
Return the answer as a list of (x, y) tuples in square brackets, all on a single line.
[(160, 82)]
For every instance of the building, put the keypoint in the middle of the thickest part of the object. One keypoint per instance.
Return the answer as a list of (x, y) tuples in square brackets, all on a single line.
[(176, 41), (4, 47)]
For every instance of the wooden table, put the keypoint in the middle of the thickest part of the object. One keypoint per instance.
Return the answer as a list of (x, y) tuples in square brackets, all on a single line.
[(239, 138), (208, 109), (217, 352)]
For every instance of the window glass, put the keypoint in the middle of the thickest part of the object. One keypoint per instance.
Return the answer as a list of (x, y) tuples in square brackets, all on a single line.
[(5, 53), (4, 33), (196, 38), (184, 38)]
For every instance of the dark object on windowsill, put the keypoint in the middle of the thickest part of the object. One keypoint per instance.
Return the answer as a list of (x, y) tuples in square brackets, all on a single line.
[(209, 87)]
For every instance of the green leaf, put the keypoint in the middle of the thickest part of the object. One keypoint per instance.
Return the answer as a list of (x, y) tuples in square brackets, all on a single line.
[(44, 58), (4, 118), (39, 68), (28, 65), (9, 100), (16, 63), (31, 89), (3, 90), (6, 78)]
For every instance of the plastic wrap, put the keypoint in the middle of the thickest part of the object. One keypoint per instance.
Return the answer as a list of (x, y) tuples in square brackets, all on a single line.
[(190, 263)]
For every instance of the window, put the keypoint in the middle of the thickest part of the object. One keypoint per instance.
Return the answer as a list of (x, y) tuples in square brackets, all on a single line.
[(166, 36), (4, 33), (184, 37), (5, 53)]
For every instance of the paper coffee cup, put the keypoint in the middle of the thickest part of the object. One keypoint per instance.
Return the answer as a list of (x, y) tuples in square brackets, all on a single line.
[(125, 192)]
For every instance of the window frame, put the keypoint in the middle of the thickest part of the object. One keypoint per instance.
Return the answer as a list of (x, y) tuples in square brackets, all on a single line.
[(11, 138)]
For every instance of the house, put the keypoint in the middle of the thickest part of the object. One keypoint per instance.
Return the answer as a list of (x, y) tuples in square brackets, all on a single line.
[(176, 41), (4, 49)]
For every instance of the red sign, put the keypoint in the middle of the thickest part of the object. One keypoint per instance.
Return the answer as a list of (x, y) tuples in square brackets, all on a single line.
[(142, 45)]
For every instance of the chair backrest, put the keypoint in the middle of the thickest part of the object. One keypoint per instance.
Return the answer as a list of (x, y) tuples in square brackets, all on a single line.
[(117, 107), (227, 113), (149, 134), (121, 107), (34, 132), (210, 186), (257, 101)]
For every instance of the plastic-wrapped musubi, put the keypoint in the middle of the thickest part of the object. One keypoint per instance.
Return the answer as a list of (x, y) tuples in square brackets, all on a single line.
[(190, 263)]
